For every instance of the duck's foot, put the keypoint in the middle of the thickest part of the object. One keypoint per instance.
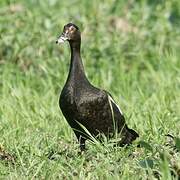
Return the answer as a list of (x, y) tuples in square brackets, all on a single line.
[(82, 147)]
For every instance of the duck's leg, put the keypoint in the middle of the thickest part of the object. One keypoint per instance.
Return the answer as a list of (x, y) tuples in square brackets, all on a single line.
[(82, 143)]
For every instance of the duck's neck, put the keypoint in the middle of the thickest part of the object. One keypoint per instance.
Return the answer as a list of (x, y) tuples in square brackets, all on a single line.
[(76, 71)]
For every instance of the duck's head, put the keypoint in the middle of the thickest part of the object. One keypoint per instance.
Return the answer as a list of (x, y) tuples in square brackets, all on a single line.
[(70, 33)]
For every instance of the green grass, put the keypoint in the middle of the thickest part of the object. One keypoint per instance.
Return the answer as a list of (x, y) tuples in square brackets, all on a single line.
[(139, 63)]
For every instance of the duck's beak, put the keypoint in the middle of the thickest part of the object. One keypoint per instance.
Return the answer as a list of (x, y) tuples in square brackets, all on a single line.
[(61, 39)]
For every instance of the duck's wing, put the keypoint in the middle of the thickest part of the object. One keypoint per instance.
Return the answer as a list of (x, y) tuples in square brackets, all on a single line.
[(99, 113), (93, 111)]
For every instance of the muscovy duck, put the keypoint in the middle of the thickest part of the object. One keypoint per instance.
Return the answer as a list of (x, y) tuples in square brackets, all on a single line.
[(85, 107)]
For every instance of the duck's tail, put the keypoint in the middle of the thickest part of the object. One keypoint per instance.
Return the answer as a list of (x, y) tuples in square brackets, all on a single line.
[(128, 136)]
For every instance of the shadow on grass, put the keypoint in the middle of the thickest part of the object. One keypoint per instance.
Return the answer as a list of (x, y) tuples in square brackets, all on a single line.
[(6, 157)]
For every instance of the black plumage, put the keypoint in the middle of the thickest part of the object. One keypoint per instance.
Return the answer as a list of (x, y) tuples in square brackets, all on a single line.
[(84, 105)]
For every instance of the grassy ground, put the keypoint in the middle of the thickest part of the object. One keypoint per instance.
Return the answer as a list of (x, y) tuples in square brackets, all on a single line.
[(130, 48)]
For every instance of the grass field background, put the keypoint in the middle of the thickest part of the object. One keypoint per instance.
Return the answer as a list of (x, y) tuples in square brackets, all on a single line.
[(130, 48)]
